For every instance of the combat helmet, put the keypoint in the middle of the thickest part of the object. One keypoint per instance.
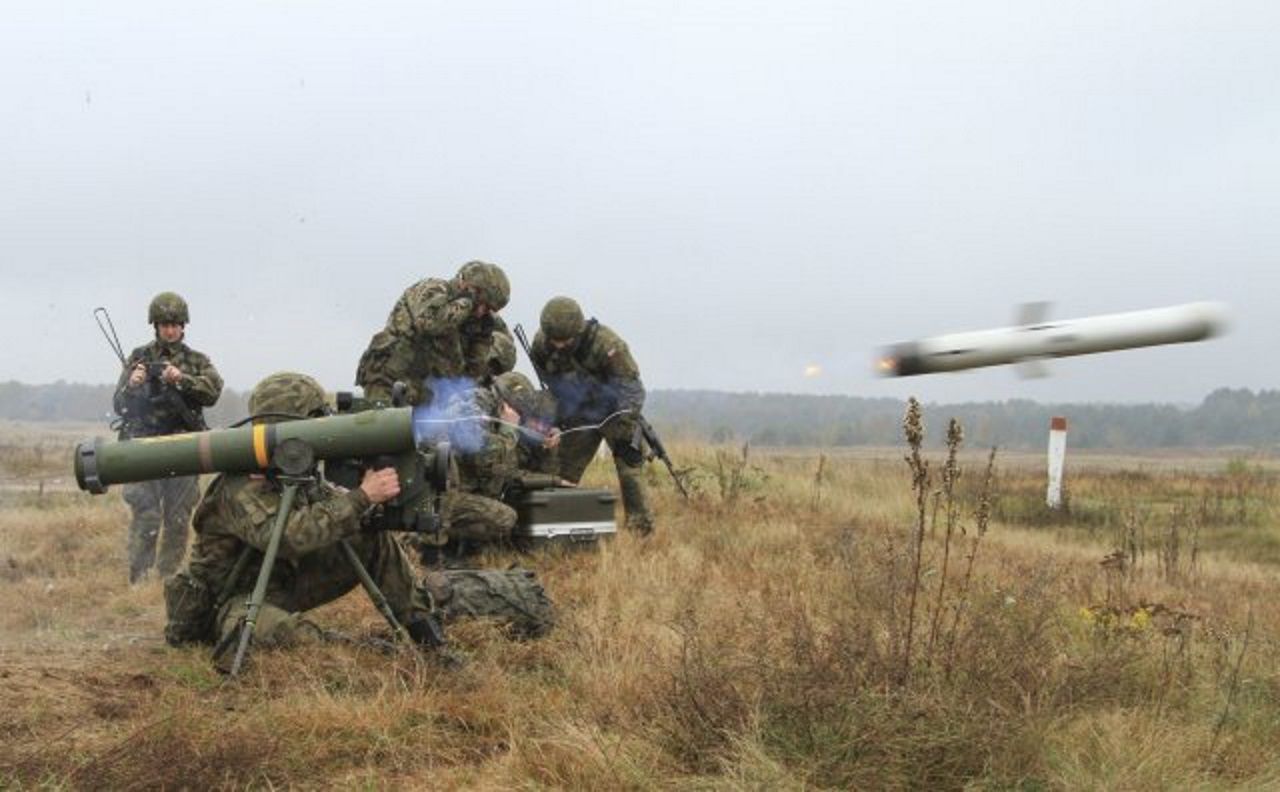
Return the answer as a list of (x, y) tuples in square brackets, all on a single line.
[(290, 393), (562, 319), (502, 354), (515, 389), (168, 308), (489, 282)]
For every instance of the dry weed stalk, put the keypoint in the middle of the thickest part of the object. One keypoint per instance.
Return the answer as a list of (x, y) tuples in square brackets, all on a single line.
[(1183, 527), (950, 475), (1232, 689), (982, 518), (913, 428), (730, 473), (818, 477)]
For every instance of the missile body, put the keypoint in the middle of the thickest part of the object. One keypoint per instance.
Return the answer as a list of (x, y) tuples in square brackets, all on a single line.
[(1031, 342)]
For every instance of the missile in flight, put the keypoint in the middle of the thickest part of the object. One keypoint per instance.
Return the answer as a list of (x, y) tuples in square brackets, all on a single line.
[(1033, 340)]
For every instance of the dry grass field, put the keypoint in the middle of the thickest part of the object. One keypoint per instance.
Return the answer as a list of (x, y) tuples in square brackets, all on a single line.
[(805, 621)]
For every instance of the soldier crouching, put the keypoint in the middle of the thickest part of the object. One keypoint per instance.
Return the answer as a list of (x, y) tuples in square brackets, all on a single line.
[(598, 392), (235, 518)]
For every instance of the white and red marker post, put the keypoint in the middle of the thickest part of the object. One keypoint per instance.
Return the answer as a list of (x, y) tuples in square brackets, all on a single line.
[(1057, 460)]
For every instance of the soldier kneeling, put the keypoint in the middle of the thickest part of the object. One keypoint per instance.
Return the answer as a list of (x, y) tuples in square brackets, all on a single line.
[(205, 601)]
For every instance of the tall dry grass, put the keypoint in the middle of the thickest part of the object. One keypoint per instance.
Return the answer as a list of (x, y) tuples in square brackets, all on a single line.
[(764, 638)]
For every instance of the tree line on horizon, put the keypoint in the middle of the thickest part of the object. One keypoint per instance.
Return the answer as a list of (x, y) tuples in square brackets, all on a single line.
[(1226, 417)]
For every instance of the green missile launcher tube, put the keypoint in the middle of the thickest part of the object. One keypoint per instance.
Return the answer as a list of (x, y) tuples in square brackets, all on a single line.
[(246, 449)]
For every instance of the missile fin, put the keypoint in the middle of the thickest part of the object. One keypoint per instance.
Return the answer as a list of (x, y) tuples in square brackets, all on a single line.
[(1032, 313), (1031, 368)]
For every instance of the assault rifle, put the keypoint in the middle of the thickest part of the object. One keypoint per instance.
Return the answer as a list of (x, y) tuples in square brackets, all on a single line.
[(524, 344), (650, 435), (157, 392)]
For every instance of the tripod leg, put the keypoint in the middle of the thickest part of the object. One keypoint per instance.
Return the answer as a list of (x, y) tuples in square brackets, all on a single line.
[(375, 593), (264, 576)]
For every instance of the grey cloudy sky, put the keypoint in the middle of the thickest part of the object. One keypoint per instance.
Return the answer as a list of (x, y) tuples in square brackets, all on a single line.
[(741, 189)]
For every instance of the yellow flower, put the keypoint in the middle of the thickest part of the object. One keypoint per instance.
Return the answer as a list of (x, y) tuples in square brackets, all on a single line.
[(1141, 619)]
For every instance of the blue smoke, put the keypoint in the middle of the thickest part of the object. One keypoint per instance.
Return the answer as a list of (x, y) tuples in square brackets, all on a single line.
[(452, 415), (585, 400)]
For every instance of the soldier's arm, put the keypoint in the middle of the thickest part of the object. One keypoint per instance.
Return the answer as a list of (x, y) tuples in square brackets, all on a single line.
[(538, 351), (122, 387), (440, 316), (119, 399), (310, 526), (425, 309), (202, 384), (621, 371), (499, 462)]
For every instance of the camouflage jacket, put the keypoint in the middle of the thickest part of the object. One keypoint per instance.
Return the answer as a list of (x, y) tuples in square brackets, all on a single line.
[(238, 511), (534, 458), (156, 408), (485, 450), (592, 380), (430, 334)]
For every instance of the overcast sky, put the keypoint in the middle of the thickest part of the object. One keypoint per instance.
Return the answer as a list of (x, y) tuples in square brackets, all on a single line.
[(743, 190)]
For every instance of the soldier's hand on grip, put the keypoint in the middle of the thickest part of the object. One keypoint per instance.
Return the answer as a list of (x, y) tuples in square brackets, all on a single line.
[(380, 486), (171, 374), (137, 376)]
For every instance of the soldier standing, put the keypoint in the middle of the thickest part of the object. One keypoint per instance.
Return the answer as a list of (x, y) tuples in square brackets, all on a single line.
[(438, 330), (598, 392), (163, 390)]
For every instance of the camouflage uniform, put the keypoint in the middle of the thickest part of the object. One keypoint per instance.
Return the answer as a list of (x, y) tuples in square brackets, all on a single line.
[(311, 568), (510, 596), (489, 455), (162, 509), (432, 333), (502, 355), (534, 457), (487, 462), (594, 379), (238, 512)]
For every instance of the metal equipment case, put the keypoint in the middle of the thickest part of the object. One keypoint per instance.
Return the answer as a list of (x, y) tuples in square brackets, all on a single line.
[(564, 516)]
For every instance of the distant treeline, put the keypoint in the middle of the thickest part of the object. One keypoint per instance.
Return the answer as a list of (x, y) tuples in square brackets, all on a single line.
[(1226, 417), (73, 401)]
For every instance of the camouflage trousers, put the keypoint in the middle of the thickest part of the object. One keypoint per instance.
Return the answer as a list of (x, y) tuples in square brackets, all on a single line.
[(511, 597), (321, 577), (470, 522), (161, 514), (577, 449), (476, 518)]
